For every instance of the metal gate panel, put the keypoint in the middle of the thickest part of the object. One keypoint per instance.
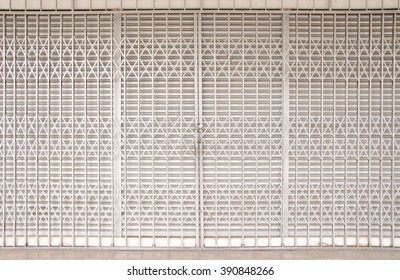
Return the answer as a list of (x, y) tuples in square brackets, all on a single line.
[(242, 135), (344, 129), (56, 129), (199, 129), (158, 142)]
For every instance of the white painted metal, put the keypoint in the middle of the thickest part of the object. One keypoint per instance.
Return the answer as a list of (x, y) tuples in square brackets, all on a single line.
[(117, 155), (160, 130), (235, 99), (197, 4), (206, 129), (285, 123)]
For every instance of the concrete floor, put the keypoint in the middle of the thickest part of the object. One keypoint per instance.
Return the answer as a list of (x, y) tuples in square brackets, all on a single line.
[(280, 254)]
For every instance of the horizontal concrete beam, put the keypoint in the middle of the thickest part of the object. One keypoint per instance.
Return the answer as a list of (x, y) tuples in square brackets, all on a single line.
[(196, 4)]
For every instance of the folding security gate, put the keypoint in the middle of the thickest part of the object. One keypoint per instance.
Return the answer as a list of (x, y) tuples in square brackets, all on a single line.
[(200, 129)]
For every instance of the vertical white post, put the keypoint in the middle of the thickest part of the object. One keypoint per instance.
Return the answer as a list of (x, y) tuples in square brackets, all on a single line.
[(309, 43), (26, 127), (139, 183), (321, 183), (393, 127), (243, 131), (358, 131), (334, 134), (15, 184), (4, 133), (197, 121), (4, 136), (369, 129), (48, 132), (270, 130), (117, 124), (257, 130), (214, 52), (229, 122), (297, 131), (125, 139), (200, 126), (73, 130), (167, 127), (285, 124), (181, 122), (86, 133), (153, 185), (61, 130), (36, 131), (381, 132), (346, 102), (98, 132)]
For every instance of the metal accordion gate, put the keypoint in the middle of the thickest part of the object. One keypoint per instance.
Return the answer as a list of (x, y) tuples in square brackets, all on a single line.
[(172, 129)]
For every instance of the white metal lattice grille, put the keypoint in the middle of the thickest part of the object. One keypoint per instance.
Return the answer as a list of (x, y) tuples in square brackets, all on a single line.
[(344, 110), (199, 129), (242, 135), (158, 142), (58, 135)]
